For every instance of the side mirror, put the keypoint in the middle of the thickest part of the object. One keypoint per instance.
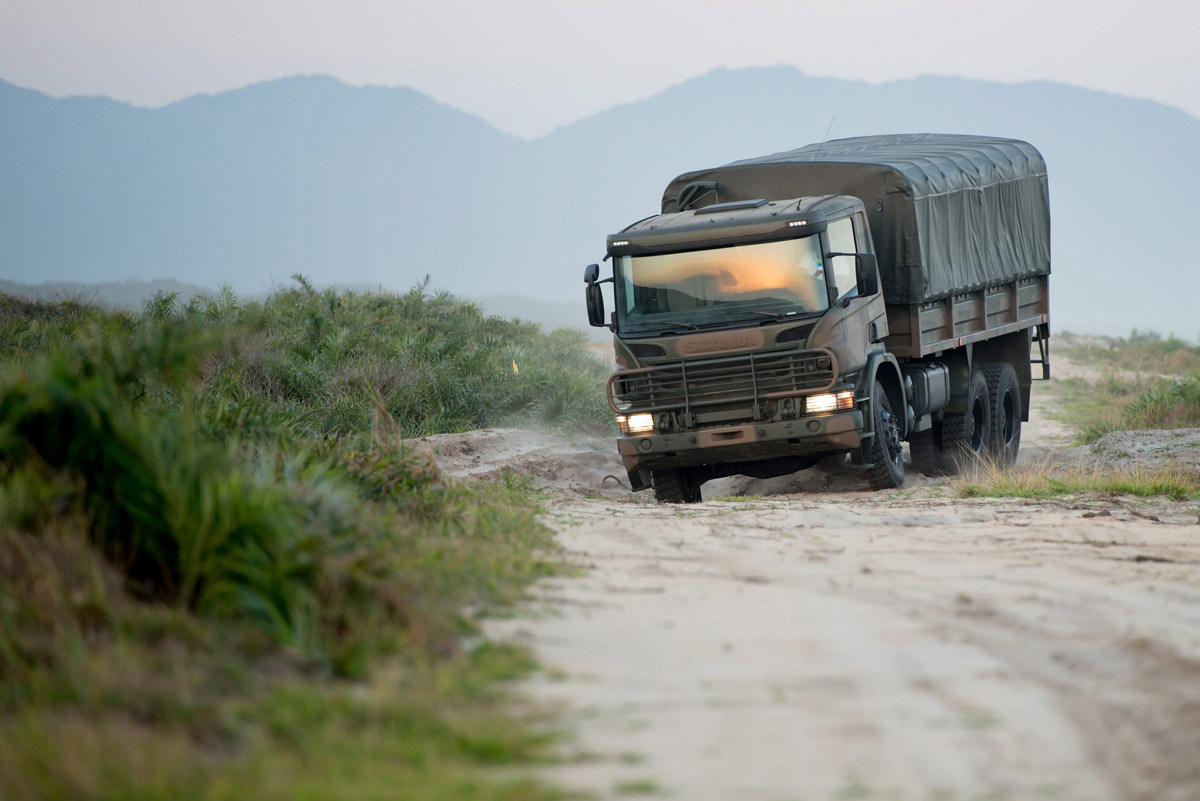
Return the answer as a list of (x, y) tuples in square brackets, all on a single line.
[(868, 275), (595, 300), (595, 304)]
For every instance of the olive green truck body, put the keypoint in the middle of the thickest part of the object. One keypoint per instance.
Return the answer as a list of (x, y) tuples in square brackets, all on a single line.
[(839, 298)]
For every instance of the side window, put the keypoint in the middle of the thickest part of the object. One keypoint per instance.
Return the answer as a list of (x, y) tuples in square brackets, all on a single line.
[(841, 240)]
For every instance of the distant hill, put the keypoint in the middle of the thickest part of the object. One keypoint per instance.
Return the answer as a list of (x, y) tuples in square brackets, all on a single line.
[(381, 186), (131, 294), (547, 313)]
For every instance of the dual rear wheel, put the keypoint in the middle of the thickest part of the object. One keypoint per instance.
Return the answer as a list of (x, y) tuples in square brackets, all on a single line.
[(989, 429), (1004, 398)]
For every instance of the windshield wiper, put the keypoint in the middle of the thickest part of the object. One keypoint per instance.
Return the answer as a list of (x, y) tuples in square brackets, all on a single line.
[(763, 313), (680, 323)]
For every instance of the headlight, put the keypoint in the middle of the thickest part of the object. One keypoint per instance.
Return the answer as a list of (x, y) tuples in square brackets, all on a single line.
[(635, 423), (641, 423), (829, 402)]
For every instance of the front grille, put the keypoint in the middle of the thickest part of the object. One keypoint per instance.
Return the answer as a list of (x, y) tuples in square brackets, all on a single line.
[(749, 379)]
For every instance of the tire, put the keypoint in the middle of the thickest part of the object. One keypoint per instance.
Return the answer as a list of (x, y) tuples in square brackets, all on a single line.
[(887, 450), (925, 447), (675, 486), (1004, 401), (965, 436)]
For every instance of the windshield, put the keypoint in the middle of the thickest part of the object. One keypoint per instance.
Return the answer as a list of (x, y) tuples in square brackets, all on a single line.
[(681, 291)]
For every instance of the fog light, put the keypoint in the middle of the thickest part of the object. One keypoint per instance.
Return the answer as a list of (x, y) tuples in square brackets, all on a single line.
[(829, 402), (641, 423)]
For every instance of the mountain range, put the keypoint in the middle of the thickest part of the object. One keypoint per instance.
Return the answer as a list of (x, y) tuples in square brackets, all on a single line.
[(383, 186)]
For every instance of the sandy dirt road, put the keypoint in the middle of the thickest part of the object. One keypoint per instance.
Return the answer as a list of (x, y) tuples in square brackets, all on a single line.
[(838, 643)]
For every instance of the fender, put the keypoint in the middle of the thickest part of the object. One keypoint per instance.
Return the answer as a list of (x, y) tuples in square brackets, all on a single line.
[(883, 365)]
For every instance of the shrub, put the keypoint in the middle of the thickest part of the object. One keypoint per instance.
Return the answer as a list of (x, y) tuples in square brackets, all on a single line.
[(208, 505), (247, 460)]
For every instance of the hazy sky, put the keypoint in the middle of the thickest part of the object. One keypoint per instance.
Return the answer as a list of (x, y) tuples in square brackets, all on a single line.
[(530, 66)]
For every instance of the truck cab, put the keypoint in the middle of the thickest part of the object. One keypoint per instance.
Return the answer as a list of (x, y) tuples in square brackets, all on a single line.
[(745, 331)]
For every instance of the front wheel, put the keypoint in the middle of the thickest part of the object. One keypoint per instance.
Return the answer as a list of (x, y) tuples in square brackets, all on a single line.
[(887, 452), (675, 486)]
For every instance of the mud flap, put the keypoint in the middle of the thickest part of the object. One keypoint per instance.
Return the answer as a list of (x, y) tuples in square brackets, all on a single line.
[(862, 456), (639, 480)]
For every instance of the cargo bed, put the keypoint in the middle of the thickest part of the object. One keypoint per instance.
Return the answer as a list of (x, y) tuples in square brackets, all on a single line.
[(919, 330)]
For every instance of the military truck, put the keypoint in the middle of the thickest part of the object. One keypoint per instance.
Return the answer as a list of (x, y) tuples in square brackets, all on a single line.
[(845, 297)]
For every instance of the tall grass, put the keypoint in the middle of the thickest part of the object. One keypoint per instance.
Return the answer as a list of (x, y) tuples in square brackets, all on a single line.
[(1146, 382), (1171, 404), (438, 363), (207, 499), (1114, 404)]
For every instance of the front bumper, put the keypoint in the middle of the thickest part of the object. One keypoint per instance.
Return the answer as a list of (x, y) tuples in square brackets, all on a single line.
[(747, 442)]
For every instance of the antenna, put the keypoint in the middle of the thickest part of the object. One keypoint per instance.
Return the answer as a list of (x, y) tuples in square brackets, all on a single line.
[(825, 138), (832, 120)]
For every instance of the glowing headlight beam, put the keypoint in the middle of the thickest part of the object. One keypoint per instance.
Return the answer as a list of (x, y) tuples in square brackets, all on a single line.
[(829, 402), (641, 423), (635, 423)]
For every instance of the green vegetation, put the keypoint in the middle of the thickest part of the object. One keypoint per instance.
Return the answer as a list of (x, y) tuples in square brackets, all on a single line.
[(1118, 403), (637, 787), (1143, 352), (224, 573), (1050, 481), (1093, 408), (1146, 382)]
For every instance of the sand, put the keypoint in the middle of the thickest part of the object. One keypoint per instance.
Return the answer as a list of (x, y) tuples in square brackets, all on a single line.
[(825, 641)]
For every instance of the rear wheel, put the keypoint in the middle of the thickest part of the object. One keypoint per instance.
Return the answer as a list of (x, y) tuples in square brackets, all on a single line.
[(675, 486), (887, 453), (965, 436), (1004, 400), (926, 449)]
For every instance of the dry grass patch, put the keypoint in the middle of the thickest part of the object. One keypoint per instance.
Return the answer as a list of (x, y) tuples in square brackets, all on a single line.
[(1143, 352), (1049, 478)]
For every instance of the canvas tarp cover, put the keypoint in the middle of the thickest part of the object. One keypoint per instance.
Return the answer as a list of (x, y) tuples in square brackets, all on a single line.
[(948, 213)]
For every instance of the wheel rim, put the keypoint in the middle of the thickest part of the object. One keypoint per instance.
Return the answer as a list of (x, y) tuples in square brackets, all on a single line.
[(892, 438)]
